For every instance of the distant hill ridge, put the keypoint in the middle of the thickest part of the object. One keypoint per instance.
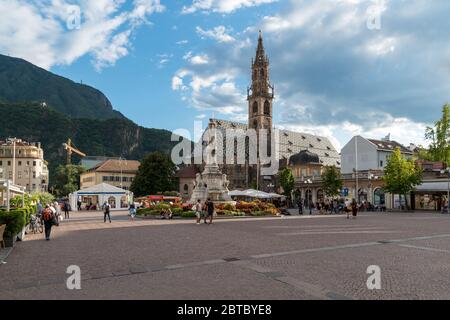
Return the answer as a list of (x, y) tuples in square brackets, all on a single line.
[(21, 81), (71, 110)]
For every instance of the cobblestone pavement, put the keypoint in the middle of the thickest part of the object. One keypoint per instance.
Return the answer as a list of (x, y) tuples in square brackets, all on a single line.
[(319, 257)]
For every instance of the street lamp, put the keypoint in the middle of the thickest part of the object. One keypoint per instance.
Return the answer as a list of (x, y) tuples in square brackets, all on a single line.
[(448, 188)]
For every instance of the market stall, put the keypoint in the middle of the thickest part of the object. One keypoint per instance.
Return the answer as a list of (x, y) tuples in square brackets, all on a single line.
[(118, 199)]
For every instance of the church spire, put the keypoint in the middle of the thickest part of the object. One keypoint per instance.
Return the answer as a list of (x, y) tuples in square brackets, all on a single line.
[(260, 53)]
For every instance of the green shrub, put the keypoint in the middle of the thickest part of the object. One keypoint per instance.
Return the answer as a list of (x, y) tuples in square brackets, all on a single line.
[(260, 213), (188, 214), (15, 221)]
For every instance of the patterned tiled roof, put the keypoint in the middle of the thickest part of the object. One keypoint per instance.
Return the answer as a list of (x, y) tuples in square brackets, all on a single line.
[(292, 143)]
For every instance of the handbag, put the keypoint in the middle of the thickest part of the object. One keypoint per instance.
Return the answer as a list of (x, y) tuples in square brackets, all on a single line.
[(55, 221)]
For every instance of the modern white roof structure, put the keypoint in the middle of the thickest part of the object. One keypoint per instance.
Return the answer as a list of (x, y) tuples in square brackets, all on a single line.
[(103, 192), (251, 193), (6, 186)]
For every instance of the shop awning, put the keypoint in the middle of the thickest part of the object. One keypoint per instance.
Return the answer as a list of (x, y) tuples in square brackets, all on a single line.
[(437, 186)]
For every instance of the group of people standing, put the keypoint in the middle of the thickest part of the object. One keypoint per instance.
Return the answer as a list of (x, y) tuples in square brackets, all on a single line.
[(206, 210), (328, 206)]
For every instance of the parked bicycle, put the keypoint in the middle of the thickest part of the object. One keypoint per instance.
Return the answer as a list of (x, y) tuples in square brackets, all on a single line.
[(36, 225)]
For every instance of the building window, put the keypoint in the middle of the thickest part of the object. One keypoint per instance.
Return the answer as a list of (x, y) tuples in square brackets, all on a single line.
[(1, 163), (20, 163), (105, 178), (34, 186), (267, 108), (9, 163), (255, 107), (186, 189), (19, 174), (381, 164), (34, 174), (34, 163)]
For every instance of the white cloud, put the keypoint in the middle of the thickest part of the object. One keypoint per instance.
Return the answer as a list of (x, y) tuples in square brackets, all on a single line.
[(182, 42), (42, 36), (200, 59), (222, 6), (219, 33)]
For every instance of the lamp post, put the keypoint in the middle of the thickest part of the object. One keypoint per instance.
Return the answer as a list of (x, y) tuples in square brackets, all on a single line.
[(448, 188), (356, 169), (307, 182)]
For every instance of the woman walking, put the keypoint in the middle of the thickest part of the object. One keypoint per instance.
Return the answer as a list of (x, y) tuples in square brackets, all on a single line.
[(354, 209)]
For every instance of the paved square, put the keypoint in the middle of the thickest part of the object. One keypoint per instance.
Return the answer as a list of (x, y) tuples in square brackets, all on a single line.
[(317, 257)]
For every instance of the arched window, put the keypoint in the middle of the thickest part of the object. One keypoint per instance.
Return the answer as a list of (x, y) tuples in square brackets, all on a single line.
[(262, 74), (255, 107), (123, 202), (320, 196), (379, 197), (186, 189), (112, 202), (267, 108)]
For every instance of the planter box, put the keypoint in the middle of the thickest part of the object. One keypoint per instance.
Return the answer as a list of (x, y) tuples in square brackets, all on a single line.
[(10, 242), (21, 235)]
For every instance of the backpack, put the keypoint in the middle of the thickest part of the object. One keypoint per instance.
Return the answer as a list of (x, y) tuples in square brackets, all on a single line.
[(47, 215)]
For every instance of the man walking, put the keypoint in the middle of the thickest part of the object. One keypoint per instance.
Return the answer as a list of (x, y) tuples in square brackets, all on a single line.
[(66, 210), (48, 216), (106, 211), (210, 211)]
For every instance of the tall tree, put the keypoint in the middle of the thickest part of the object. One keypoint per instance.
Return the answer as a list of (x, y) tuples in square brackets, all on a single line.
[(67, 179), (401, 175), (287, 182), (439, 138), (156, 174), (331, 181)]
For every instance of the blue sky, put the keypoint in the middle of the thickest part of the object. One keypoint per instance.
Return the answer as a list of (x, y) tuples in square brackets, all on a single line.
[(340, 67)]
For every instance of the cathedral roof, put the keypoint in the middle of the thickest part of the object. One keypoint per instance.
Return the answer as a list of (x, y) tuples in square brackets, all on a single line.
[(291, 143)]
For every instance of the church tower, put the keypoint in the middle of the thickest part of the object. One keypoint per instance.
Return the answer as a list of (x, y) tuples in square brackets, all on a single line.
[(261, 93)]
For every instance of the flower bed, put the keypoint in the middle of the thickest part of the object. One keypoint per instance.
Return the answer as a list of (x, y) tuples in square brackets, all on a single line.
[(251, 209)]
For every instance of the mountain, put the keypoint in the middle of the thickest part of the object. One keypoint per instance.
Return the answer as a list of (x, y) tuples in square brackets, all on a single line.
[(114, 137), (21, 81)]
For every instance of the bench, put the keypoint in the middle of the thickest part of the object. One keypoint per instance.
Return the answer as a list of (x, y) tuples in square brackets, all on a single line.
[(2, 230)]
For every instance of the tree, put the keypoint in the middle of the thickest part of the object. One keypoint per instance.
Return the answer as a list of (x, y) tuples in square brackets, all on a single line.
[(287, 182), (331, 181), (67, 179), (401, 175), (439, 138), (156, 174)]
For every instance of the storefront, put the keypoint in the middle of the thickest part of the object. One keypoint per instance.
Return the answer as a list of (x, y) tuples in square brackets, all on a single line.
[(431, 196)]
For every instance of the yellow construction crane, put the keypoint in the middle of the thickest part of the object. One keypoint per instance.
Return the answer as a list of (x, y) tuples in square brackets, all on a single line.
[(71, 149)]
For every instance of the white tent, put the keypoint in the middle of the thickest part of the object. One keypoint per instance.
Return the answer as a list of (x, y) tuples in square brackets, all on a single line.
[(251, 193), (118, 198)]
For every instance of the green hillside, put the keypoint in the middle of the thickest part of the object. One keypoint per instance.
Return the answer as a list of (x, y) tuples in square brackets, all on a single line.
[(21, 81), (113, 137)]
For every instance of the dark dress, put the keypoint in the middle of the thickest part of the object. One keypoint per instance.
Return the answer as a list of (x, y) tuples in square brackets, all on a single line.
[(354, 210)]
